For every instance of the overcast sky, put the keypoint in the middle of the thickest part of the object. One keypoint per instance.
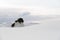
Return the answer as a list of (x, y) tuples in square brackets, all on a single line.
[(44, 7)]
